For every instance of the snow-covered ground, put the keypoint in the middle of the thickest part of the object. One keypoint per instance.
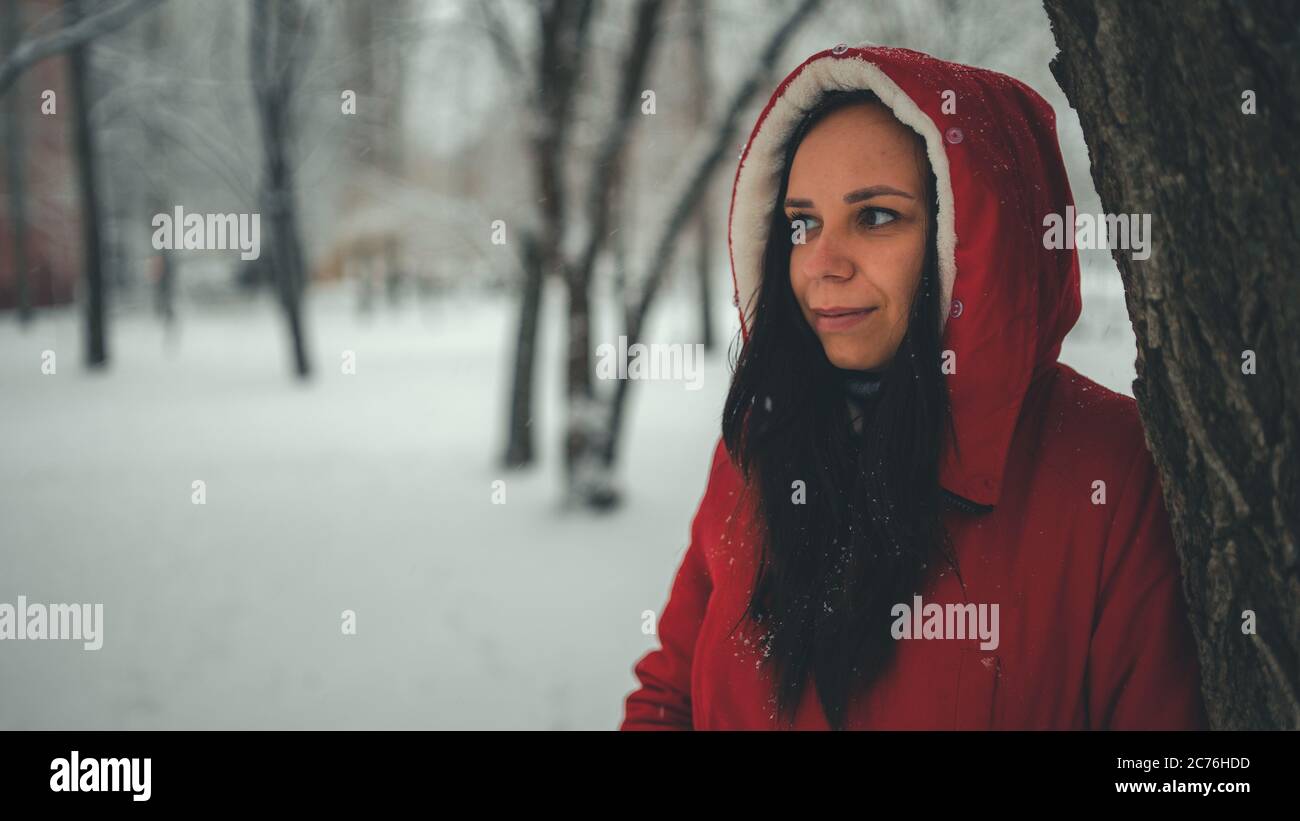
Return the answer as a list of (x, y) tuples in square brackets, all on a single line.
[(369, 492)]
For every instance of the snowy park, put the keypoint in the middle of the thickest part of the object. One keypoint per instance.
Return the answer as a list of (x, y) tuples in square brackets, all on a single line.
[(370, 492)]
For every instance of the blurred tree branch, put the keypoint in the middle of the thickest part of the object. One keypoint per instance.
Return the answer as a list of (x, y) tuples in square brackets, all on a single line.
[(70, 36), (506, 50)]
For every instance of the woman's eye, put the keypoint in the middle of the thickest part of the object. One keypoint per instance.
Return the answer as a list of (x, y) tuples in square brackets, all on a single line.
[(869, 217), (876, 217), (809, 222)]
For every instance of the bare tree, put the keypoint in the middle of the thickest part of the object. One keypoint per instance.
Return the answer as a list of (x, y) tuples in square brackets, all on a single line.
[(15, 162), (1191, 111), (83, 148), (594, 421), (563, 27), (74, 39), (562, 33), (279, 34), (586, 436)]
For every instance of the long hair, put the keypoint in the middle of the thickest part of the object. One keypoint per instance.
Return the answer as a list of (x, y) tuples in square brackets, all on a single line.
[(831, 565)]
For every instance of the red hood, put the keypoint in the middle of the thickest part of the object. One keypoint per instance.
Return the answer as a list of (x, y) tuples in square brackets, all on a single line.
[(1007, 301)]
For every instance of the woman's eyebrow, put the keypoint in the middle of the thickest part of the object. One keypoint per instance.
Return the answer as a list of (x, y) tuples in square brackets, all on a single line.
[(874, 191), (854, 196)]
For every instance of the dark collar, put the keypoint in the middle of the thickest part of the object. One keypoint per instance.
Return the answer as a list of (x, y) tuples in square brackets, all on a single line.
[(963, 504)]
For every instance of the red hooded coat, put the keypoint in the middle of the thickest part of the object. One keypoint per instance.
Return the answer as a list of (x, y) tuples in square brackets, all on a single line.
[(1093, 631)]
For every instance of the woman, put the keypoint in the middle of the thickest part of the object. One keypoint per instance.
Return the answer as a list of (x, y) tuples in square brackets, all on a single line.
[(916, 517)]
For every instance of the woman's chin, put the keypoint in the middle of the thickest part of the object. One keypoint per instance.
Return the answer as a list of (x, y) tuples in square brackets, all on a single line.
[(850, 356)]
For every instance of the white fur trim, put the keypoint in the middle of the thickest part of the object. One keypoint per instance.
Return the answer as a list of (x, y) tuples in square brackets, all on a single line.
[(759, 177)]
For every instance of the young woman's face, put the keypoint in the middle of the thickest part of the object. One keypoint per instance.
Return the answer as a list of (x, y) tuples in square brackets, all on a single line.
[(856, 183)]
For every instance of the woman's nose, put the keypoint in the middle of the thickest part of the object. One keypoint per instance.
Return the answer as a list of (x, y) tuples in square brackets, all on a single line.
[(824, 257)]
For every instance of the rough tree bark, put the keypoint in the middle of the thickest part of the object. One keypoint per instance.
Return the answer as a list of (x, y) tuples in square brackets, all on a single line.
[(1162, 92)]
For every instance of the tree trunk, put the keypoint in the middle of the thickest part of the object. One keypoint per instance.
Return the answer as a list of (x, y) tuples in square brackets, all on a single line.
[(519, 436), (701, 103), (1161, 90), (278, 28), (96, 349), (156, 36), (16, 164), (588, 480), (562, 36), (704, 275)]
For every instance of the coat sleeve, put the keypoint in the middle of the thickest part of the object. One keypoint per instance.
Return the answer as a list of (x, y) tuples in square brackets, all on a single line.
[(1143, 672), (663, 699)]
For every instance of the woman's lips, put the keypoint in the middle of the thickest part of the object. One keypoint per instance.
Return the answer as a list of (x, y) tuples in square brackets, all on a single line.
[(839, 319)]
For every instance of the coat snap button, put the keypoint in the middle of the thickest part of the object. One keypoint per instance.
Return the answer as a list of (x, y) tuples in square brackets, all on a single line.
[(954, 135), (840, 49), (956, 308)]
